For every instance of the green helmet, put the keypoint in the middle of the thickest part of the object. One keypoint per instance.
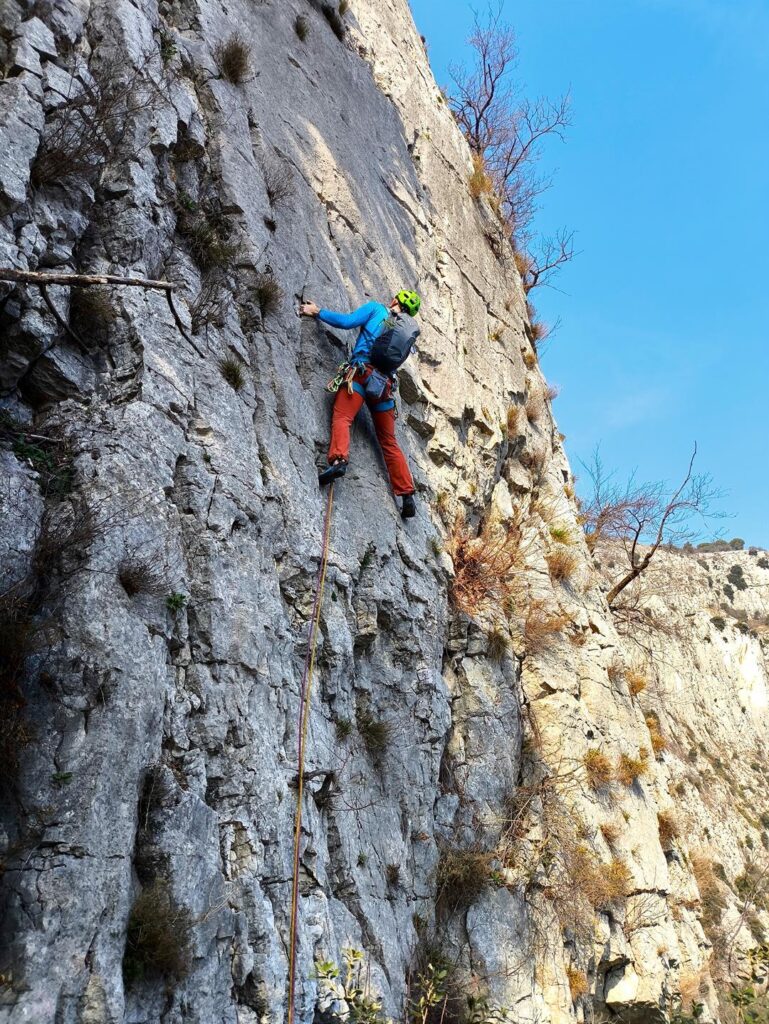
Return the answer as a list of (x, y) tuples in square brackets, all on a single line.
[(410, 301)]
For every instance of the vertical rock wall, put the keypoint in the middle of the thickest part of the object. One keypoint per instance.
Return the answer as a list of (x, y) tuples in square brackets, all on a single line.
[(162, 531)]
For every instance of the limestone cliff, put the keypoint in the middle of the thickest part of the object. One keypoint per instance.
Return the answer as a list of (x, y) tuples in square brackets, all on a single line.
[(161, 534)]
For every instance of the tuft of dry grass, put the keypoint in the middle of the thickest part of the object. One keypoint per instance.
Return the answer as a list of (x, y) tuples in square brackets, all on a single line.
[(602, 885), (711, 896), (610, 832), (268, 294), (658, 741), (530, 359), (159, 937), (480, 182), (636, 681), (578, 984), (463, 875), (552, 393), (630, 769), (375, 732), (232, 371), (533, 408), (562, 564), (145, 574), (523, 264), (668, 828), (598, 767), (234, 59), (497, 644), (278, 183), (302, 27), (486, 566), (513, 420), (538, 331), (541, 625)]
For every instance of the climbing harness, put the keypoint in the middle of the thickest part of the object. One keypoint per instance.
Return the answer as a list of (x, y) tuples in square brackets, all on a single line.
[(304, 719)]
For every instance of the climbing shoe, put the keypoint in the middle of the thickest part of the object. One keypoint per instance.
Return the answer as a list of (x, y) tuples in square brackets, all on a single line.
[(408, 508), (332, 472)]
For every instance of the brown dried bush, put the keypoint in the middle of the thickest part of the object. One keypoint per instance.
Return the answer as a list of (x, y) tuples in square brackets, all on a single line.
[(636, 681), (497, 643), (234, 58), (145, 574), (533, 408), (578, 984), (530, 359), (487, 566), (629, 769), (463, 875), (479, 182), (610, 832), (158, 939), (658, 741), (598, 767), (668, 828), (232, 371), (512, 421), (540, 625), (562, 564)]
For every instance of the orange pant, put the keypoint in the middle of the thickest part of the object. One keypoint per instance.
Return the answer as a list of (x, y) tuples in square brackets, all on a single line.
[(346, 408)]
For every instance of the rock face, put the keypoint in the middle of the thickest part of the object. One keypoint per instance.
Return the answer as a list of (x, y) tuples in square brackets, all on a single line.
[(161, 535)]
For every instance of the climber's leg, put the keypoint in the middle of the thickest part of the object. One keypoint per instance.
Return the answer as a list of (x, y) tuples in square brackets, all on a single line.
[(395, 460), (346, 408)]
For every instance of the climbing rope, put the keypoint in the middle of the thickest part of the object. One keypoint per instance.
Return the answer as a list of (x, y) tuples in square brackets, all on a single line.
[(304, 718)]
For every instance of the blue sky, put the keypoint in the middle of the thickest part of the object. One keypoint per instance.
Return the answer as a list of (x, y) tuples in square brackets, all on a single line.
[(664, 178)]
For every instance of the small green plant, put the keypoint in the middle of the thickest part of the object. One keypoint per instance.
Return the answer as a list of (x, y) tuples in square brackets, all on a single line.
[(158, 939), (302, 27), (232, 371), (363, 1006), (737, 578), (362, 860), (61, 777), (560, 534), (175, 602), (233, 57), (431, 988), (168, 48)]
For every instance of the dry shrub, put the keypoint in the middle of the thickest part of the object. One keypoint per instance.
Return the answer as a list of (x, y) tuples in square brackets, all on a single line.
[(602, 885), (268, 294), (690, 989), (538, 331), (668, 828), (479, 181), (629, 768), (92, 313), (636, 681), (145, 574), (207, 232), (598, 768), (234, 59), (530, 359), (578, 984), (562, 564), (158, 939), (610, 832), (232, 371), (210, 306), (552, 393), (711, 897), (375, 732), (658, 741), (486, 566), (523, 264), (463, 875), (615, 670), (278, 183), (513, 420), (302, 27), (541, 625), (533, 408), (497, 644)]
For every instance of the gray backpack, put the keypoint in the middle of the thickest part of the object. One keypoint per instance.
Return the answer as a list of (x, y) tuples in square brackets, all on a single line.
[(394, 344)]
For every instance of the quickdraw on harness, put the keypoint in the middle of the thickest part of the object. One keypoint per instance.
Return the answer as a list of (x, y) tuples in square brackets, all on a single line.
[(371, 387)]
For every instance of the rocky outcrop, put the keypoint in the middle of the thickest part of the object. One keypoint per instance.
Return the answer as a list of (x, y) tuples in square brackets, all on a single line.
[(161, 535)]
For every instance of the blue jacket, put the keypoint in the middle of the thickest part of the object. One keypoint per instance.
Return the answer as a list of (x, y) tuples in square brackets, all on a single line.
[(370, 318)]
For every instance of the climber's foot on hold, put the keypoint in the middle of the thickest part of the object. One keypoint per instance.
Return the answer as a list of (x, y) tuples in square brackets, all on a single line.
[(332, 472), (408, 508)]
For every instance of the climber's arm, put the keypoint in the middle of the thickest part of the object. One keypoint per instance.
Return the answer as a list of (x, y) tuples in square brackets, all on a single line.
[(346, 321)]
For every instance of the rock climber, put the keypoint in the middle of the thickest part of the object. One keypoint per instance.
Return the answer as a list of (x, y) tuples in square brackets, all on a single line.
[(387, 335)]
